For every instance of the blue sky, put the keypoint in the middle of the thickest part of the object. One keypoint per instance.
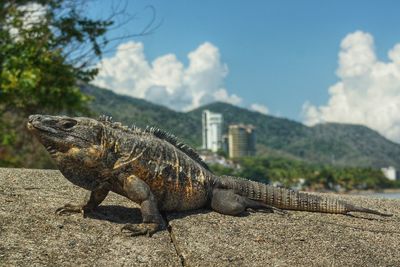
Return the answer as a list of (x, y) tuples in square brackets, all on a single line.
[(279, 54)]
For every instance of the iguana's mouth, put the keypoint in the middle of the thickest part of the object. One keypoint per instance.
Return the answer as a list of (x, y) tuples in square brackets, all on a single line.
[(38, 126), (51, 150)]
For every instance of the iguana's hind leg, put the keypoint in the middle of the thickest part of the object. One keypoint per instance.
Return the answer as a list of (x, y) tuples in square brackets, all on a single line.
[(92, 200), (139, 192), (227, 202)]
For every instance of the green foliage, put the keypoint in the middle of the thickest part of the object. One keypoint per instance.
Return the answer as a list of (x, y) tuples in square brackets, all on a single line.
[(38, 71), (222, 170), (317, 177), (41, 65), (256, 168), (8, 137)]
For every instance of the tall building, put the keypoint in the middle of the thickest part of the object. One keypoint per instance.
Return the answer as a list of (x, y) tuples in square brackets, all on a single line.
[(212, 130), (242, 140)]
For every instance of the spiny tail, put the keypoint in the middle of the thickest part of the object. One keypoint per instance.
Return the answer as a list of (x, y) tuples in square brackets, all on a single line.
[(290, 199)]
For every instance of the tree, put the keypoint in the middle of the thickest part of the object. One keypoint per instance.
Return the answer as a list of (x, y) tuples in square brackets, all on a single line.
[(37, 73), (46, 48)]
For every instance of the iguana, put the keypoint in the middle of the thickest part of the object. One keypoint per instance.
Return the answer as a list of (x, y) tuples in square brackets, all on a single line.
[(155, 170)]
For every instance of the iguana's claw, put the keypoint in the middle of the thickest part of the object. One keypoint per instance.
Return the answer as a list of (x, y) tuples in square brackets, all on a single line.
[(147, 229), (259, 210), (69, 208), (268, 209), (279, 211)]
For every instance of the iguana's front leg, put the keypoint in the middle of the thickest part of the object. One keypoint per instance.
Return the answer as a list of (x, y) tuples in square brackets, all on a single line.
[(139, 192), (92, 200)]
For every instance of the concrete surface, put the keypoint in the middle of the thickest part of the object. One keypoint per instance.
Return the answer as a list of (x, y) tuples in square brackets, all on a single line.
[(32, 235)]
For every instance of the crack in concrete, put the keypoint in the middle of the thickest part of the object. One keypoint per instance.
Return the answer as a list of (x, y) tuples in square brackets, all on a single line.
[(174, 243)]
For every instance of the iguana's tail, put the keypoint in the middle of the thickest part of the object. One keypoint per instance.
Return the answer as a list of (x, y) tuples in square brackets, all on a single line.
[(287, 199)]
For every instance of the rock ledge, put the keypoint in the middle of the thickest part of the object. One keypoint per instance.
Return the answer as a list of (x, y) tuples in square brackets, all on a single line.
[(31, 234)]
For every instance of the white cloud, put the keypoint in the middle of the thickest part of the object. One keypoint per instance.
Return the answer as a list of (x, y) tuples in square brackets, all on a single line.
[(223, 95), (259, 108), (166, 80), (33, 14), (368, 91)]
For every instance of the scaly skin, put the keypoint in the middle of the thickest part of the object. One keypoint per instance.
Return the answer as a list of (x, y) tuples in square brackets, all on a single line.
[(151, 168)]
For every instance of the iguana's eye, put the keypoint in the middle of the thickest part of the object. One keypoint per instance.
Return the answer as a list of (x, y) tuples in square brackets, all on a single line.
[(68, 124)]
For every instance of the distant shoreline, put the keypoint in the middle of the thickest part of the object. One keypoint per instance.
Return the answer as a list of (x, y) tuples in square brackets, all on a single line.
[(370, 191), (392, 193)]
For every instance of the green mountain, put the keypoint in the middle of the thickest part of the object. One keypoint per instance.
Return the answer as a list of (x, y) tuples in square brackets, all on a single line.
[(142, 113), (330, 143)]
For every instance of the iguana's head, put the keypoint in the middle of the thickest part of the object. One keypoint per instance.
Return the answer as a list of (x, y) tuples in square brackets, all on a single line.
[(63, 133), (77, 138), (76, 144)]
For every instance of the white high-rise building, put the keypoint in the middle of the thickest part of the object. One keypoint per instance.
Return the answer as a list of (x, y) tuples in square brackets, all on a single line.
[(212, 130)]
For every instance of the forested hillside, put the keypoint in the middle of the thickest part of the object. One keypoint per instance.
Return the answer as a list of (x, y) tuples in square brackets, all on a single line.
[(331, 143)]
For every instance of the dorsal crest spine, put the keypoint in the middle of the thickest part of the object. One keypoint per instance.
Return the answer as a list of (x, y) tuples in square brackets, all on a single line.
[(161, 134), (170, 138)]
